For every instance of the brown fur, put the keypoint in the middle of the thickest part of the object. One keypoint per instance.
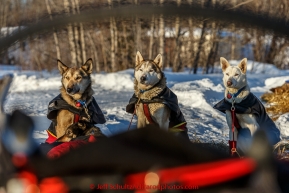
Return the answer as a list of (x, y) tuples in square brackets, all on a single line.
[(77, 79)]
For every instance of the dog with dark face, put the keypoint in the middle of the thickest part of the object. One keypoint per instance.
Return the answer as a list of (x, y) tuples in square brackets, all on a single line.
[(74, 103)]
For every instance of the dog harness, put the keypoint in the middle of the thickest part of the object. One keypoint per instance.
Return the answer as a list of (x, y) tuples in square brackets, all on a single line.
[(252, 105), (229, 95), (79, 103), (91, 113), (166, 97), (147, 113), (235, 122)]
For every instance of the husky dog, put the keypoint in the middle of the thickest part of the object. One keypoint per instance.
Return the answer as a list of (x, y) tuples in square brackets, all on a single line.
[(241, 105), (75, 103), (153, 102)]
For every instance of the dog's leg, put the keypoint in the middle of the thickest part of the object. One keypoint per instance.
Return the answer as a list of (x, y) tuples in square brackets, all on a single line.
[(161, 117), (95, 131), (248, 121), (64, 120), (141, 118), (249, 127)]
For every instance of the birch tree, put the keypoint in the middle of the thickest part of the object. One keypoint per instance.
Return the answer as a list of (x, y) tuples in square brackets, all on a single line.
[(55, 37), (70, 35)]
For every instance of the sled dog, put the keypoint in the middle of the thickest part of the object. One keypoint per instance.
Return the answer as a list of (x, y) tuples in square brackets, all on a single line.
[(153, 102), (75, 103), (243, 109)]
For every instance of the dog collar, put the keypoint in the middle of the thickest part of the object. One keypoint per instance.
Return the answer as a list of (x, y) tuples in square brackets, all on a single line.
[(142, 91), (80, 103), (230, 95)]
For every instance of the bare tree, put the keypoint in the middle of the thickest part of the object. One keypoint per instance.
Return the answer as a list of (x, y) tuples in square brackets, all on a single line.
[(162, 37), (102, 43), (70, 35), (81, 31), (125, 51), (113, 36), (201, 42), (151, 37), (177, 59), (55, 37), (94, 52)]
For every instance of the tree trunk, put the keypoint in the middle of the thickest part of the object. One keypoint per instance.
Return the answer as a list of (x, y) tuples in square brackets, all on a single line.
[(138, 44), (93, 47), (151, 38), (272, 50), (190, 47), (212, 53), (176, 62), (233, 42), (103, 51), (126, 49), (70, 36), (162, 37), (81, 32), (201, 42), (4, 10), (76, 36), (112, 44), (54, 32), (257, 49)]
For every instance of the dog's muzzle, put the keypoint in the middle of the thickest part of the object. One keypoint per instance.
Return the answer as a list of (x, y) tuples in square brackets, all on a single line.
[(229, 83), (72, 91), (143, 78), (69, 90)]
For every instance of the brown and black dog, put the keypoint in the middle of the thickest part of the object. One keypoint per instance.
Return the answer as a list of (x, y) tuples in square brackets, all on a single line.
[(75, 103)]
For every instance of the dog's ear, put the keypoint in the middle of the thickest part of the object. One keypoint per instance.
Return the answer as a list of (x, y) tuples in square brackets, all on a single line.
[(159, 61), (224, 63), (138, 58), (87, 66), (61, 67), (243, 65)]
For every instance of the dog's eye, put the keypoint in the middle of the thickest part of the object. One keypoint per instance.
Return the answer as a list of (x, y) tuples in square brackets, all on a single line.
[(151, 70), (67, 77), (77, 78), (227, 74), (140, 70), (236, 74)]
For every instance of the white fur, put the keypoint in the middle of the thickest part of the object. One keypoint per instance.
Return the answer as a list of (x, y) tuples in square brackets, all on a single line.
[(237, 76)]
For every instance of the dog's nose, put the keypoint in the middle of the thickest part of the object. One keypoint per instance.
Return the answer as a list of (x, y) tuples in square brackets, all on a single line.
[(229, 83), (143, 78), (69, 90)]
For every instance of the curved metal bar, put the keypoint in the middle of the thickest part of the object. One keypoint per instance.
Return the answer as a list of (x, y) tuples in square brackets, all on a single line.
[(241, 18)]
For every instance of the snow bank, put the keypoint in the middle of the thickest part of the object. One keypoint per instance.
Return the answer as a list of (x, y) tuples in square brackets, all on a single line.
[(24, 83), (114, 81)]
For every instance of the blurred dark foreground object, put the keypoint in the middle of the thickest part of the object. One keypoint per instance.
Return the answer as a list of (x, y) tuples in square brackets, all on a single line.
[(150, 158)]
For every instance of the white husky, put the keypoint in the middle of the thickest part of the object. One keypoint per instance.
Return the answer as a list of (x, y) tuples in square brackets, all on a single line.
[(241, 105)]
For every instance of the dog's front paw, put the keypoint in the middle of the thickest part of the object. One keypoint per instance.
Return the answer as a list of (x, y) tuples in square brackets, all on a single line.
[(95, 131)]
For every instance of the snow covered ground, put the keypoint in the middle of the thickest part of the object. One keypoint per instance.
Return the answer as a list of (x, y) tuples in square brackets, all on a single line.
[(31, 91)]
